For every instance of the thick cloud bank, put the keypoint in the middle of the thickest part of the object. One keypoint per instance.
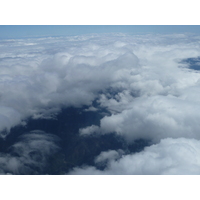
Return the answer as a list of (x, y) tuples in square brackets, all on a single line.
[(141, 82)]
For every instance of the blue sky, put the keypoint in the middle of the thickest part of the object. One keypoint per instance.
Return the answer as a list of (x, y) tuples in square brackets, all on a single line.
[(9, 31)]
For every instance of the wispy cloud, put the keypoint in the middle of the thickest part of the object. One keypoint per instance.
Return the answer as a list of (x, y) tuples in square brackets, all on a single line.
[(29, 154)]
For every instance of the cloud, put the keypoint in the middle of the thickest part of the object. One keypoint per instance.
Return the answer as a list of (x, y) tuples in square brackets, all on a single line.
[(51, 73), (155, 118), (92, 109), (109, 155), (170, 156), (72, 70), (29, 154), (89, 130), (139, 80)]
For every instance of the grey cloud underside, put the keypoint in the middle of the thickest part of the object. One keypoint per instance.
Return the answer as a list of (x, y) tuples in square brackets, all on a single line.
[(140, 81)]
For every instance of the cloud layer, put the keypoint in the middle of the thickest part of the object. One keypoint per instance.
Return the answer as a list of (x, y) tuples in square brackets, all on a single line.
[(139, 79)]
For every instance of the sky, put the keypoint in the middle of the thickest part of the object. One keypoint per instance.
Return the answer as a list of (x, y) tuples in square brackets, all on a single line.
[(20, 31)]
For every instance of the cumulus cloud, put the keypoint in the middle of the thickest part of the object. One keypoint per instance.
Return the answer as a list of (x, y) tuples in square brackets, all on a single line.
[(109, 155), (170, 156), (57, 72), (155, 118), (89, 130)]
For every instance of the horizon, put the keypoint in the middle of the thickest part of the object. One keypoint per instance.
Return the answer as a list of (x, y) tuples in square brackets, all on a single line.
[(30, 31)]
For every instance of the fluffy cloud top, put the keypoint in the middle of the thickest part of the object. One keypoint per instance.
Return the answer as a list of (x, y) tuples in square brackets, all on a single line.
[(155, 118), (56, 72), (170, 156)]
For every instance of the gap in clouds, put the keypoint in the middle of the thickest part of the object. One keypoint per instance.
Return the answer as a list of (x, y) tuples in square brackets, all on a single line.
[(74, 150), (194, 63), (29, 153)]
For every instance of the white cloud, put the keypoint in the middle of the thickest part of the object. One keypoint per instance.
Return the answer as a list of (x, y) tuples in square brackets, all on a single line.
[(109, 155), (170, 156), (155, 118), (91, 109), (138, 78), (89, 130), (57, 72)]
